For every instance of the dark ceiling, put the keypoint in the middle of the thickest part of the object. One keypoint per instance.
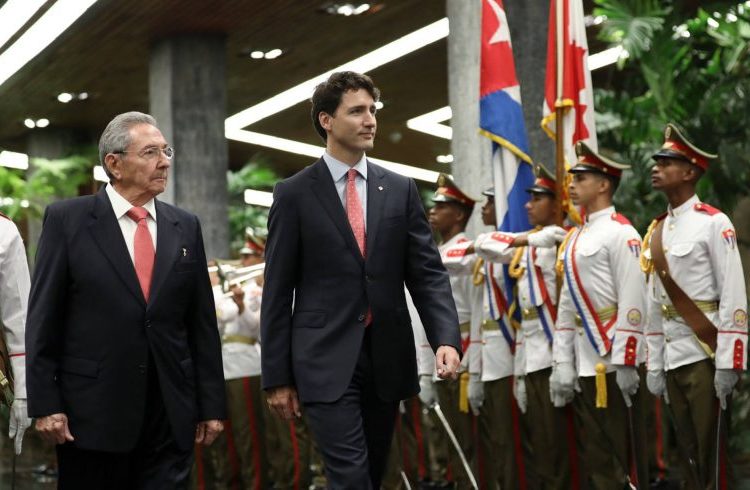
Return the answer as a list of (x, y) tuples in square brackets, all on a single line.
[(106, 53)]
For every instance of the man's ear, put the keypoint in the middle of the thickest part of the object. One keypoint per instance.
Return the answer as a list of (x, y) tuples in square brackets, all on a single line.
[(325, 120), (113, 164)]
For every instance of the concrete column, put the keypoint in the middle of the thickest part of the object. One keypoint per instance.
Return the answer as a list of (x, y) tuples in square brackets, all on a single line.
[(187, 92), (471, 152), (528, 23), (50, 144)]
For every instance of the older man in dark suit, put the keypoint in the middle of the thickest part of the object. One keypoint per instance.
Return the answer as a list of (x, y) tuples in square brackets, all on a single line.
[(345, 235), (123, 352)]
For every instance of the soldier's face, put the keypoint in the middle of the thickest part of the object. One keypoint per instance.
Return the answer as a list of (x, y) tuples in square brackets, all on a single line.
[(488, 213), (585, 187), (540, 209), (443, 216), (668, 173)]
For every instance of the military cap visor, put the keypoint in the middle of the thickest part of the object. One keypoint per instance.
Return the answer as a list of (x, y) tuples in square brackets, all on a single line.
[(676, 145), (544, 183)]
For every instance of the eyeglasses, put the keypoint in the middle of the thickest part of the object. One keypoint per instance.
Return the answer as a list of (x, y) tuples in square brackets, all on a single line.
[(152, 152)]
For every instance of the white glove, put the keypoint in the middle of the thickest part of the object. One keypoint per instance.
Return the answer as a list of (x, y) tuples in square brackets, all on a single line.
[(476, 393), (427, 390), (19, 422), (656, 381), (547, 237), (519, 391), (724, 381), (563, 383), (628, 381)]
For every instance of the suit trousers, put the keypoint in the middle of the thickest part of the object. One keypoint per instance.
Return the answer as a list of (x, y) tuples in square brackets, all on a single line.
[(354, 433), (156, 463)]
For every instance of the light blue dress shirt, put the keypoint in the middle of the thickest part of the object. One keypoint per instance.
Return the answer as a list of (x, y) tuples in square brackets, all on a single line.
[(339, 170)]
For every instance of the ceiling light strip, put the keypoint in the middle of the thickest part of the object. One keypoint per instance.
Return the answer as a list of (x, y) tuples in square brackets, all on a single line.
[(14, 15), (315, 151), (381, 56), (37, 37)]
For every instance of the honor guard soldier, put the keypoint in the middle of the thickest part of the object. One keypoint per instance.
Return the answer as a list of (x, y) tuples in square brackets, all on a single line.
[(697, 335), (240, 350), (598, 339), (491, 381), (216, 465), (449, 217), (532, 259), (14, 297)]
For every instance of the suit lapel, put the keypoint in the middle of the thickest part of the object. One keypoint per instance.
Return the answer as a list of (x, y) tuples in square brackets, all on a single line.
[(375, 200), (325, 191), (168, 234), (108, 236)]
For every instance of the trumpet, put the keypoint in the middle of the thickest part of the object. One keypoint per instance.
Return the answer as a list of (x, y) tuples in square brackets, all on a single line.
[(231, 277)]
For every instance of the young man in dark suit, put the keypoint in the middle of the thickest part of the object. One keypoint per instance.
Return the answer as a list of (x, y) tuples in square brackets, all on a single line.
[(345, 235), (123, 356)]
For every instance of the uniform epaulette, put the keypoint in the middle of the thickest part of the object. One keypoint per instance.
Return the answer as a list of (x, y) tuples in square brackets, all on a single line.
[(3, 216), (702, 207), (620, 219)]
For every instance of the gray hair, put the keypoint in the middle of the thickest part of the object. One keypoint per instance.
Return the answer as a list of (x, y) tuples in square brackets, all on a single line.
[(116, 136)]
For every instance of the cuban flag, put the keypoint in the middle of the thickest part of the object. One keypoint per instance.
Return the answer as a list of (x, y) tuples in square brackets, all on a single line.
[(568, 81), (501, 120)]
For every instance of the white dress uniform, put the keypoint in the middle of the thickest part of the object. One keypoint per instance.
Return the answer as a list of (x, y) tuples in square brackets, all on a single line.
[(240, 343), (536, 296), (493, 338), (603, 300), (467, 297), (704, 260), (14, 297)]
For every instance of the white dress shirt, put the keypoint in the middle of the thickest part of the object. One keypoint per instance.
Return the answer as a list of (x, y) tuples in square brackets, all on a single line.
[(339, 170), (121, 206)]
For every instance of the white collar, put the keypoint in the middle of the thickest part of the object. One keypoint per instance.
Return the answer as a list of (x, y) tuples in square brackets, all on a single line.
[(121, 206), (683, 207), (339, 169)]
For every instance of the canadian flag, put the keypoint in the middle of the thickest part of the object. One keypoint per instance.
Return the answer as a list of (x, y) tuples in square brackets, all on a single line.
[(568, 82)]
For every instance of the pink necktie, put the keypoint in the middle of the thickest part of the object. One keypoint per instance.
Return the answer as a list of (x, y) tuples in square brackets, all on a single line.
[(143, 249), (356, 220), (354, 210)]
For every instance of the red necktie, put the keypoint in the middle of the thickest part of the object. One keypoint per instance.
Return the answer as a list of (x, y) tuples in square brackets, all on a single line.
[(354, 210), (143, 249), (356, 219)]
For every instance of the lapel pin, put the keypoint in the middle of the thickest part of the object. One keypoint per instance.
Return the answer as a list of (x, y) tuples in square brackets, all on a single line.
[(380, 187), (184, 252)]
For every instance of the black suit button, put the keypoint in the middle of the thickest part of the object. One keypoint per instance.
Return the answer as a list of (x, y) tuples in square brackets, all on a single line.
[(368, 278), (148, 324), (142, 368), (361, 318)]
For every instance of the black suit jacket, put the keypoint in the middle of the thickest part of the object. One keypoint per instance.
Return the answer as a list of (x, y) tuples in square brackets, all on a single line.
[(90, 331), (318, 286)]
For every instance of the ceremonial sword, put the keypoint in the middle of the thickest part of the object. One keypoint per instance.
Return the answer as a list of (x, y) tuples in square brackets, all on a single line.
[(456, 445)]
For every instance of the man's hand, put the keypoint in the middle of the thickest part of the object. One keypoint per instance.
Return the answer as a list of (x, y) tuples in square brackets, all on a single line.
[(447, 361), (547, 237), (238, 296), (283, 400), (207, 431), (54, 428), (19, 422), (628, 380), (427, 390)]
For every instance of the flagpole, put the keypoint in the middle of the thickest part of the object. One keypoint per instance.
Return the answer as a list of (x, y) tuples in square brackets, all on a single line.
[(559, 110)]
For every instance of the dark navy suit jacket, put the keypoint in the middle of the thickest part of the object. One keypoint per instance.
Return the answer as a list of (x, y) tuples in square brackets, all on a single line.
[(90, 331), (318, 287)]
